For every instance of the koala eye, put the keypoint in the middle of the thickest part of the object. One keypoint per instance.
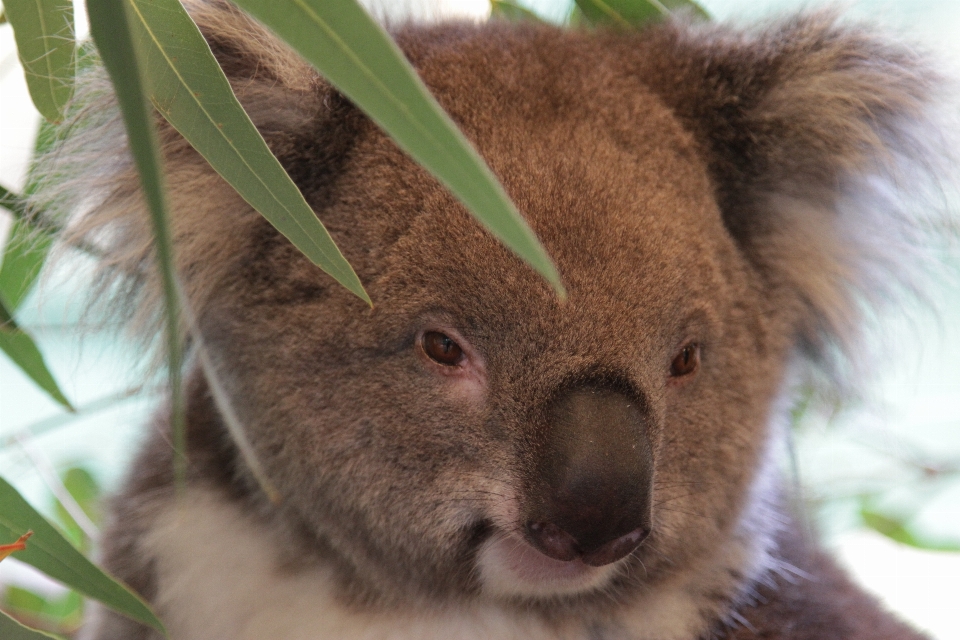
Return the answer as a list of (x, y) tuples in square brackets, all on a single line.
[(441, 348), (687, 361)]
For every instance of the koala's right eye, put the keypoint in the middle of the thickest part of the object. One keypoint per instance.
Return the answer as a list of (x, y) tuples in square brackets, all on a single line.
[(441, 348)]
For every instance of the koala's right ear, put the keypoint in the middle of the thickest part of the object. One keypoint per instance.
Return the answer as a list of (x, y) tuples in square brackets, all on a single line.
[(811, 131), (91, 183)]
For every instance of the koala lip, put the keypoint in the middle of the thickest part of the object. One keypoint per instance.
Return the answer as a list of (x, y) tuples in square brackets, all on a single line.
[(510, 566)]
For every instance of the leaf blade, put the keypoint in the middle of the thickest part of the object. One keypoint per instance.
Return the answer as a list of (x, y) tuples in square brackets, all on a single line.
[(190, 90), (44, 33), (634, 13), (512, 12), (341, 41), (23, 257), (10, 629), (21, 349), (50, 552), (112, 32)]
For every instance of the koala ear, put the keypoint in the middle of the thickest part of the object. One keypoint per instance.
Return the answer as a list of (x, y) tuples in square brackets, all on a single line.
[(817, 136), (91, 183)]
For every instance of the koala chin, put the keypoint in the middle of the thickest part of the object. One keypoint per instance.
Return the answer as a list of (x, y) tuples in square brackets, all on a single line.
[(473, 457)]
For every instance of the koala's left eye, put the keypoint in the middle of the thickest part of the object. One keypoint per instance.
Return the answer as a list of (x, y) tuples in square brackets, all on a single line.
[(687, 361), (441, 348)]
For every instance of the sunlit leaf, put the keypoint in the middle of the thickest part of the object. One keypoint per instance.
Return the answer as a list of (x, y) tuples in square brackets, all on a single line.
[(111, 31), (52, 554), (359, 58), (185, 83), (632, 13), (62, 613), (19, 347), (10, 629), (511, 11), (897, 530), (45, 42)]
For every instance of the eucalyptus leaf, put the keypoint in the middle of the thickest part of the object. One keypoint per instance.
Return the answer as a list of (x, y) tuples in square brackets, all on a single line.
[(187, 86), (21, 349), (10, 629), (52, 554), (359, 58), (112, 33), (633, 13), (512, 12), (44, 33), (896, 529), (23, 258)]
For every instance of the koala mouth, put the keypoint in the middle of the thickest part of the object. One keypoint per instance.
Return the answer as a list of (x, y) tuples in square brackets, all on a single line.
[(509, 566)]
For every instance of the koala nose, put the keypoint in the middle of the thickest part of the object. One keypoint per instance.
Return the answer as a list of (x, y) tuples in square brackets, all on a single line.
[(591, 496)]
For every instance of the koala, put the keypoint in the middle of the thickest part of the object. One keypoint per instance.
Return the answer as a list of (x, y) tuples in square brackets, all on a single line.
[(473, 457)]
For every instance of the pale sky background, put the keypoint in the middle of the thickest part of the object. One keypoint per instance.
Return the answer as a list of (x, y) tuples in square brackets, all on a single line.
[(914, 410)]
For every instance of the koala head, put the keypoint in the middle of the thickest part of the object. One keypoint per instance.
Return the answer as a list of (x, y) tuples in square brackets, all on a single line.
[(710, 198)]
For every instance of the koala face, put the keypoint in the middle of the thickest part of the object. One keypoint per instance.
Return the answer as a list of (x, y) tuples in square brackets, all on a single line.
[(472, 432)]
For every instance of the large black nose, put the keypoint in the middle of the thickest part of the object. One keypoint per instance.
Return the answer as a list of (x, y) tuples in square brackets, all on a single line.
[(590, 497)]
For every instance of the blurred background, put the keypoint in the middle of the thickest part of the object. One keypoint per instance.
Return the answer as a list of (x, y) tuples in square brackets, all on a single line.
[(880, 475)]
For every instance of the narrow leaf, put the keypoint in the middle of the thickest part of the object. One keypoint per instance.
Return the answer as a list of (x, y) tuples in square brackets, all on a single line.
[(512, 12), (13, 203), (897, 530), (185, 83), (633, 13), (45, 41), (50, 552), (19, 347), (111, 31), (23, 258), (359, 58), (10, 629)]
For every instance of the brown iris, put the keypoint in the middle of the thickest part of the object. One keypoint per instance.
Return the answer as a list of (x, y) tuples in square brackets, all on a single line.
[(441, 348), (687, 361)]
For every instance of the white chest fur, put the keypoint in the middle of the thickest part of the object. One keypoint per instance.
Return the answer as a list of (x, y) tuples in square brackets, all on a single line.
[(219, 578)]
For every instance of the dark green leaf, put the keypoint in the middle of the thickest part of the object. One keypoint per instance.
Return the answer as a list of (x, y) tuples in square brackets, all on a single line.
[(633, 13), (45, 42), (506, 10), (112, 33), (185, 83), (359, 58), (20, 348), (10, 629), (51, 553)]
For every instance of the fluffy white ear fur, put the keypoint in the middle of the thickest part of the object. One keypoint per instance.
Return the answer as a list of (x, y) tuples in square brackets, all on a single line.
[(842, 152)]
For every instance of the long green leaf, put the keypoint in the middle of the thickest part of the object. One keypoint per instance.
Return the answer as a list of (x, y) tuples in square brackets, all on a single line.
[(50, 552), (188, 87), (359, 58), (633, 13), (112, 33), (45, 41), (10, 629), (23, 258), (20, 348)]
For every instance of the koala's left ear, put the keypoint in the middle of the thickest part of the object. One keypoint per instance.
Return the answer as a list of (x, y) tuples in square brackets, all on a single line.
[(811, 131)]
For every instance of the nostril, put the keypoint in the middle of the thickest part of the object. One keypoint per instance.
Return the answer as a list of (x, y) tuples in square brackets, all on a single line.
[(616, 549), (553, 541)]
